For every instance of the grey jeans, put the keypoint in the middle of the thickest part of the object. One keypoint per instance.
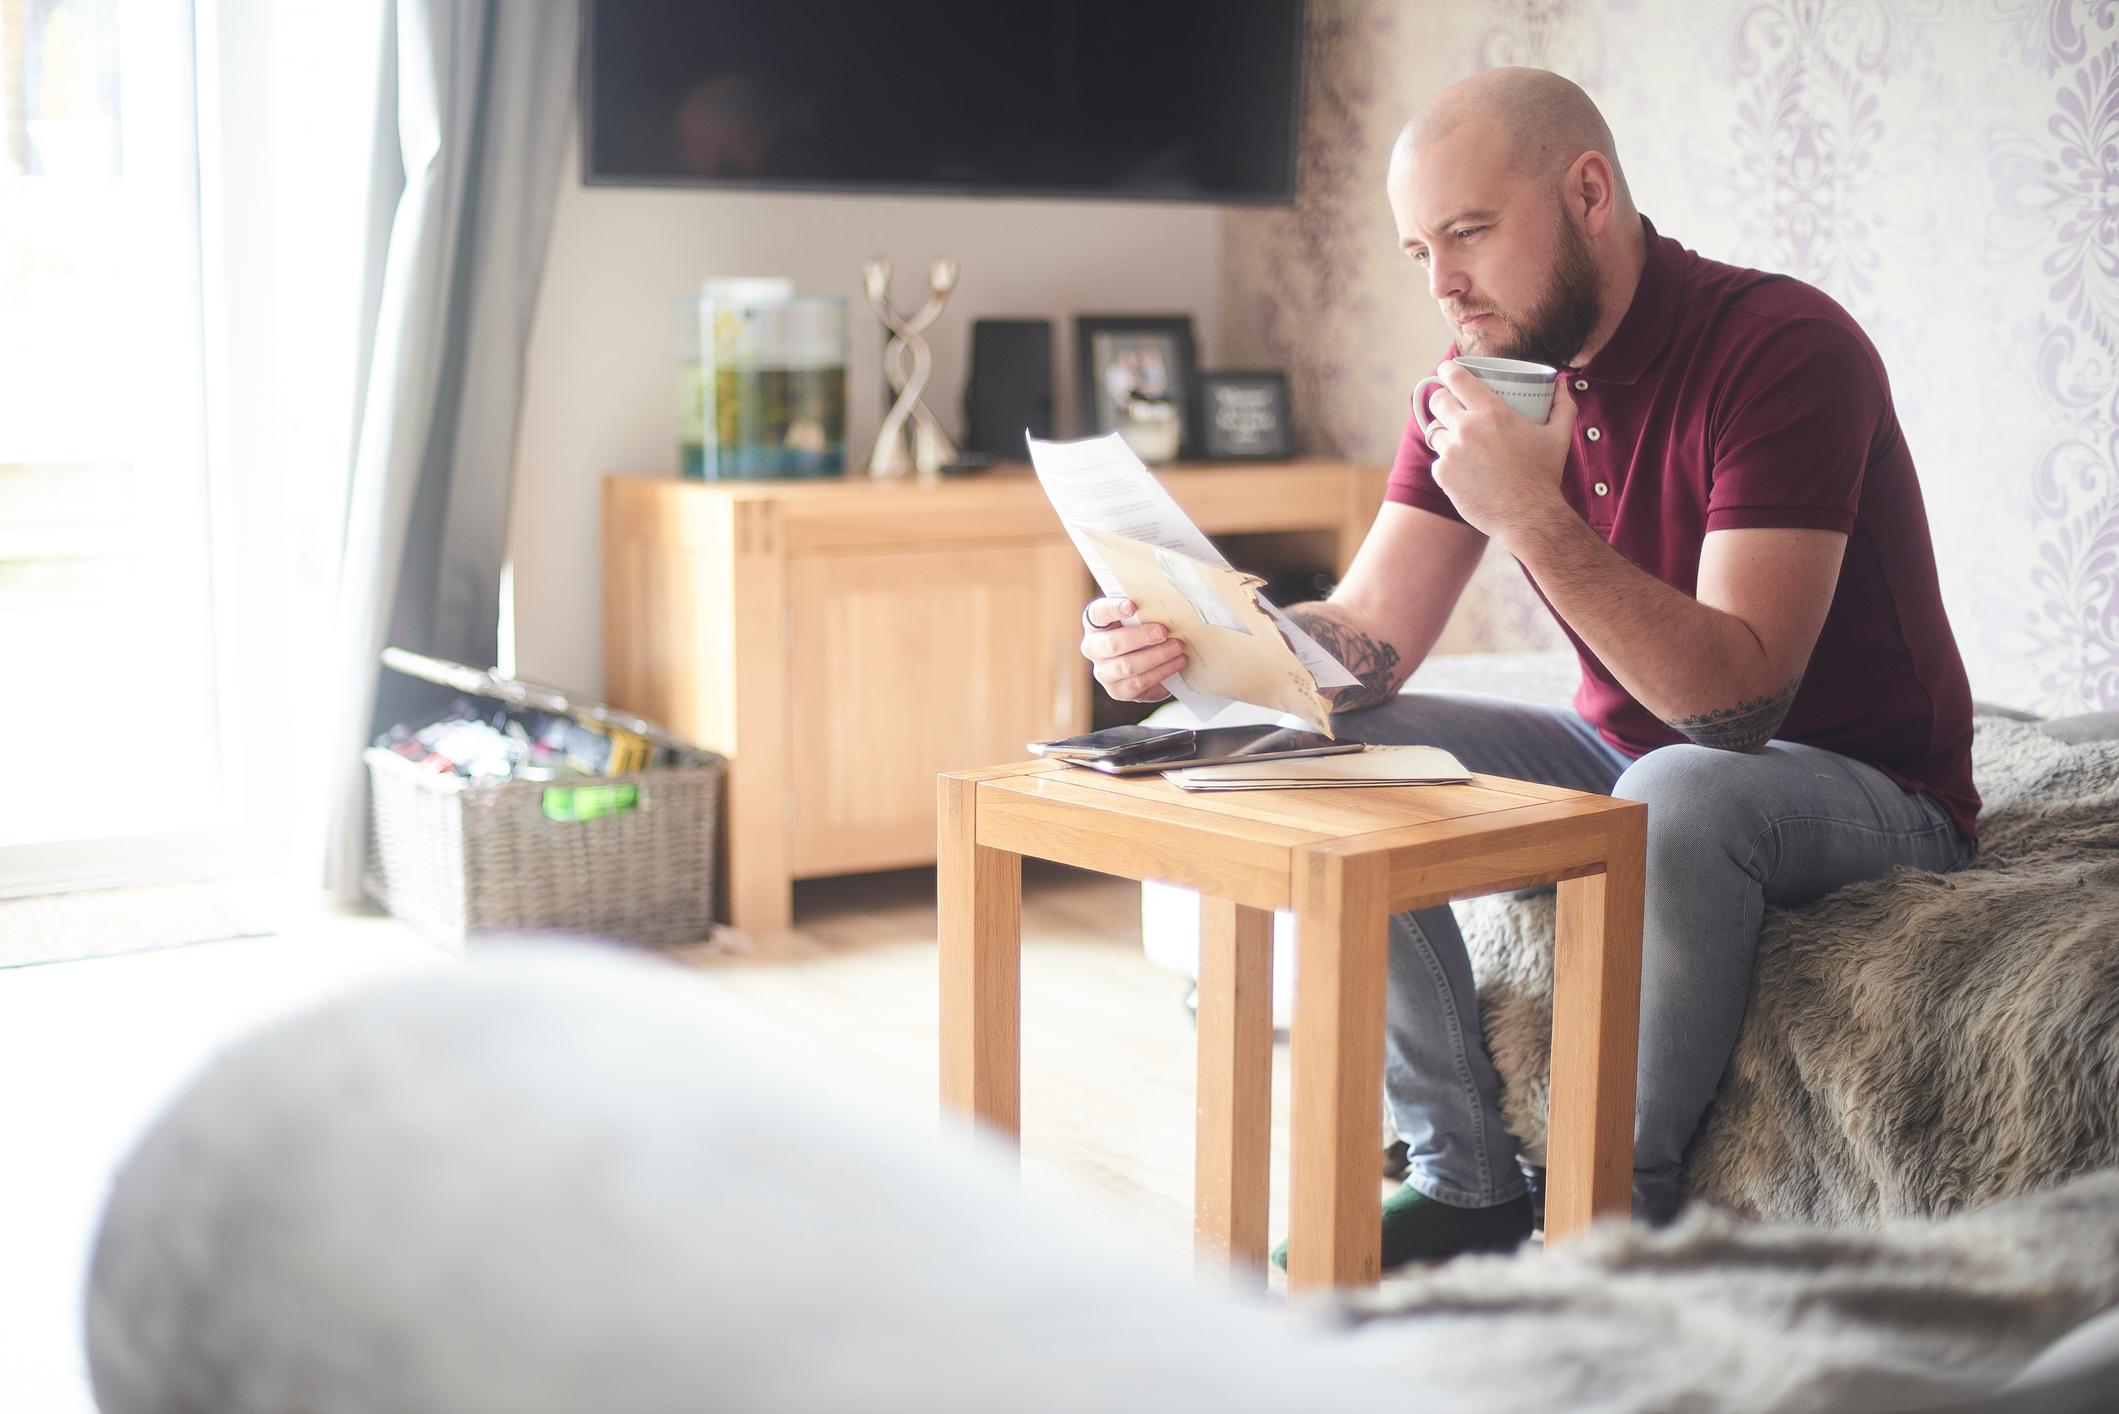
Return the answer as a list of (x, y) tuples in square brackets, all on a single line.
[(1728, 833)]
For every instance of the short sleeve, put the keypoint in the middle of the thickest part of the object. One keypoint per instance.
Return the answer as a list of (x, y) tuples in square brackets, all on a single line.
[(1412, 479), (1793, 429)]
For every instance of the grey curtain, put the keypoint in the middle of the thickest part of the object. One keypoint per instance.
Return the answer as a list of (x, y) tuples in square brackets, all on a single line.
[(477, 100)]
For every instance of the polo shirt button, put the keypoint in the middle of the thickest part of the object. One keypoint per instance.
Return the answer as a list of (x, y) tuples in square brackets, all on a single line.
[(1602, 489), (1592, 434), (1581, 385)]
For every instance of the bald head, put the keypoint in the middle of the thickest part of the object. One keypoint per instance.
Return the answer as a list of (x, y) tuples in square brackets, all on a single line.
[(1507, 194), (1543, 121)]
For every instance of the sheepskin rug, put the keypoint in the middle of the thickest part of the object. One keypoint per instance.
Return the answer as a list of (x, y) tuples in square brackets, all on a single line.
[(1717, 1314), (1915, 1044)]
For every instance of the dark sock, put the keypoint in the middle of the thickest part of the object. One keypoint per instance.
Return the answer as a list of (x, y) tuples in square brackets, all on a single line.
[(1417, 1228)]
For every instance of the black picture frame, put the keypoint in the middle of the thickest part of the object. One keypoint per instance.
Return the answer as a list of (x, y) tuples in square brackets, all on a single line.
[(1243, 416), (1163, 388)]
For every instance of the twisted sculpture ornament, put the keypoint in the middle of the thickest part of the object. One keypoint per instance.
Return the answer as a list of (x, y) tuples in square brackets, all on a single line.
[(908, 364)]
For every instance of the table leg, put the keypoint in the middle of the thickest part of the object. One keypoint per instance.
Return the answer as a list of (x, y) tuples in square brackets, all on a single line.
[(1595, 1035), (979, 897), (1335, 1191), (1233, 1147)]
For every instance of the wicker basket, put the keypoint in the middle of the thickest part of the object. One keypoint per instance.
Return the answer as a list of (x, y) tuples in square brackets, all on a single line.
[(454, 857)]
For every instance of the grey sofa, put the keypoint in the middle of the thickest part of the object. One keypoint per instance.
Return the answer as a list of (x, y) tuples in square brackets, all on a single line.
[(577, 1180)]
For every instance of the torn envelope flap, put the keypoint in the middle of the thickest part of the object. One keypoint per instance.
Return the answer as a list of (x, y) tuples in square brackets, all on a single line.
[(1188, 577), (1232, 647)]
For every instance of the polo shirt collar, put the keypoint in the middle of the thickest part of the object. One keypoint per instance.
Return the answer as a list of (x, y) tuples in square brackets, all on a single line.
[(1645, 330)]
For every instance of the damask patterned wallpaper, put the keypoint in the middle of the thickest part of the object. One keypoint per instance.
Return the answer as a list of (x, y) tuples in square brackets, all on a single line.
[(1947, 169)]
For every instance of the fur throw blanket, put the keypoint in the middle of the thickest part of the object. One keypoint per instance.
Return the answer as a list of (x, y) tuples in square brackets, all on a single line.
[(1718, 1314), (1915, 1044)]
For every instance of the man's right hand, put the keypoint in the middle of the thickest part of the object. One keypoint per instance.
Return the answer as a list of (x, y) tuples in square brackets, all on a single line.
[(1131, 663)]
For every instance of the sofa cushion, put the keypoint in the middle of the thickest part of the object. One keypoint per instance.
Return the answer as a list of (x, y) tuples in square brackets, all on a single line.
[(2086, 726), (564, 1181), (1996, 709)]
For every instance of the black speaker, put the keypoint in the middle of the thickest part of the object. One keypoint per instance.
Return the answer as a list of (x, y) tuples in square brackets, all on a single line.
[(1010, 386)]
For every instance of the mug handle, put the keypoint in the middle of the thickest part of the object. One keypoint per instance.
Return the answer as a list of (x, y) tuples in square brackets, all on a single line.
[(1420, 406)]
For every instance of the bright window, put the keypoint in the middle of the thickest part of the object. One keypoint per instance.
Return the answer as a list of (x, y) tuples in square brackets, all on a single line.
[(109, 704)]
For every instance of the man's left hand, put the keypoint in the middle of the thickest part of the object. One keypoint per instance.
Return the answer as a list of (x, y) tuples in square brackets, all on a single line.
[(1500, 469)]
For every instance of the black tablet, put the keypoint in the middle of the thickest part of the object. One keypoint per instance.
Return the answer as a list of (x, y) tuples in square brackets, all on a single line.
[(1213, 745)]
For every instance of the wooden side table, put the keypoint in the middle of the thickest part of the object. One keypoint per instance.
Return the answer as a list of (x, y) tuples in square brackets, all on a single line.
[(1344, 860)]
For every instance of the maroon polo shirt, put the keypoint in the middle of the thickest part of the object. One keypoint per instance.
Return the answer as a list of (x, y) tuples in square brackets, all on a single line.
[(1731, 398)]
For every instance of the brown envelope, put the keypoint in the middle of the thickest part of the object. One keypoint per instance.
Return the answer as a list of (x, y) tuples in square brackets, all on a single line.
[(1232, 648)]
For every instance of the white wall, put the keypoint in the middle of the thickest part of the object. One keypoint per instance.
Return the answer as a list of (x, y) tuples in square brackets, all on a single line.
[(600, 391)]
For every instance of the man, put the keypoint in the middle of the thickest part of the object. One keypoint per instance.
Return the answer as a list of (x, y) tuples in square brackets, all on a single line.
[(1723, 516)]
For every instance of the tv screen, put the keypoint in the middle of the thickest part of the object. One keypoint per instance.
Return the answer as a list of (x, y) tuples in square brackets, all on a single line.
[(1188, 100)]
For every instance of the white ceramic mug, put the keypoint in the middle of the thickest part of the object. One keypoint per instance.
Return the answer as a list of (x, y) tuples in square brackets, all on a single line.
[(1526, 387)]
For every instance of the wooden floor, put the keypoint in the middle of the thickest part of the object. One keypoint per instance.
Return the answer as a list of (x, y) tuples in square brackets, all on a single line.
[(1108, 1046)]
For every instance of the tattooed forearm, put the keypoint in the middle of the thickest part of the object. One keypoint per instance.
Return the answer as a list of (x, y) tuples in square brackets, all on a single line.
[(1744, 727), (1367, 658)]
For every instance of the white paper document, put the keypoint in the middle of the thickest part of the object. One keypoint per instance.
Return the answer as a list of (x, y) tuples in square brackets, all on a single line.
[(1100, 484), (1376, 766)]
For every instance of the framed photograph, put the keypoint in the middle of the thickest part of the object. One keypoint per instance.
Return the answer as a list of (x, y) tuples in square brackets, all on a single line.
[(1243, 415), (1134, 378)]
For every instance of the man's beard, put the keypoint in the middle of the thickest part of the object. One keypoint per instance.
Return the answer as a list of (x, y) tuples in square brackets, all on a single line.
[(1561, 323)]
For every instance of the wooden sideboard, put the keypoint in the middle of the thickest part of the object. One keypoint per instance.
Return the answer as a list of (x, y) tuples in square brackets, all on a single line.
[(844, 642)]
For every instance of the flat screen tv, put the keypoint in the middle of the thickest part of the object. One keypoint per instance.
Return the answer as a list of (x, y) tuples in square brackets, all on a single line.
[(1181, 100)]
